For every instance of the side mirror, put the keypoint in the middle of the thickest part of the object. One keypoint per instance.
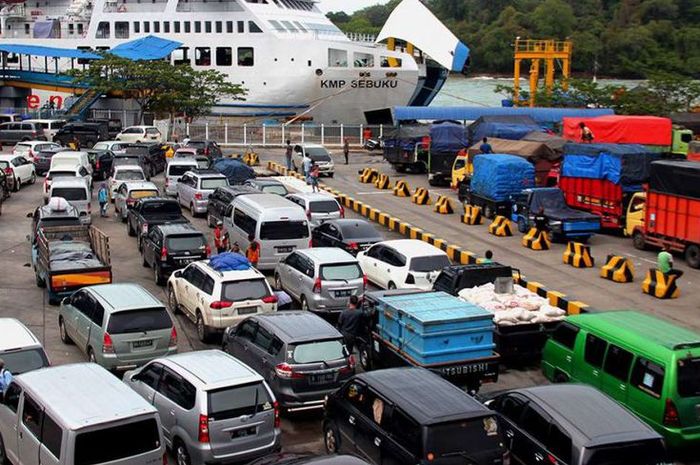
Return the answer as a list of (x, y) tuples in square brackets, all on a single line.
[(65, 301), (178, 274)]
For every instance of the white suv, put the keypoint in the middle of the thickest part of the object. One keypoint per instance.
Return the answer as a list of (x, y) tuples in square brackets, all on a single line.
[(140, 134), (215, 300)]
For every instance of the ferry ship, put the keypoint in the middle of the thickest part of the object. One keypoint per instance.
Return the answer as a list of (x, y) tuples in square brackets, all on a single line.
[(288, 55)]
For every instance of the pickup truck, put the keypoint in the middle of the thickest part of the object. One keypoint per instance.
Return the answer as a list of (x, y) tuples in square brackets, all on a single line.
[(563, 222), (152, 211), (432, 330), (67, 258)]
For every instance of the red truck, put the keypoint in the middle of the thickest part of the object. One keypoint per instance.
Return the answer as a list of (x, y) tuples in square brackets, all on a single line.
[(672, 210)]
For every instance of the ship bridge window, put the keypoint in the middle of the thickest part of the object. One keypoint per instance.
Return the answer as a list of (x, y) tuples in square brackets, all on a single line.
[(219, 27), (80, 29), (363, 60), (166, 27), (13, 58), (337, 58), (181, 56), (188, 27), (137, 27), (229, 27), (202, 56), (197, 27), (121, 30), (390, 62), (253, 27), (246, 56), (241, 27), (146, 27), (26, 28), (207, 27), (156, 27), (176, 27), (224, 56), (290, 26), (301, 28), (277, 26), (102, 30)]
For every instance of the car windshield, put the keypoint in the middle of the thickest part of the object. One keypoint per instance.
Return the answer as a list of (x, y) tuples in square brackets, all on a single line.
[(236, 401), (340, 272), (185, 153), (22, 148), (70, 193), (179, 170), (62, 174), (197, 144), (193, 242), (101, 146), (247, 289), (47, 153), (138, 321), (161, 208), (447, 439), (318, 154), (203, 163), (689, 377), (321, 351), (21, 361), (275, 189), (213, 183), (638, 453), (358, 230), (324, 206), (280, 230), (429, 263), (99, 446), (129, 175)]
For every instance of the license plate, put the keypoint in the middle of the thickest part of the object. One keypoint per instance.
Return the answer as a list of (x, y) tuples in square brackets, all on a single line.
[(241, 433), (247, 310), (342, 293), (142, 344), (184, 261), (324, 378), (284, 249)]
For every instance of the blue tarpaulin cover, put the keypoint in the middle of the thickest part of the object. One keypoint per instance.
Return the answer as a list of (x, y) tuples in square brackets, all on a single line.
[(41, 51), (498, 176), (625, 164), (147, 48), (502, 127), (235, 171), (448, 138), (546, 116), (229, 261)]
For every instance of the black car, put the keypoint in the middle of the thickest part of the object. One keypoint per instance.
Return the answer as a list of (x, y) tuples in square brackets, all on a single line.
[(221, 198), (574, 424), (301, 356), (114, 126), (411, 416), (454, 278), (150, 212), (295, 459), (350, 235), (268, 186), (42, 160), (151, 157), (101, 161), (206, 147), (88, 134), (170, 247)]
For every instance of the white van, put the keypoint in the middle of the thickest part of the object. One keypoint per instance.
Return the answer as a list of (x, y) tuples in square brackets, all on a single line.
[(50, 126), (20, 349), (69, 159), (78, 414), (279, 226), (76, 192), (174, 171)]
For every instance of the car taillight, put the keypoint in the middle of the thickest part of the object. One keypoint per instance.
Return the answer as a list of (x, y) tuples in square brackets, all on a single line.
[(207, 250), (270, 299), (8, 171), (317, 286), (173, 338), (284, 370), (364, 281), (429, 456), (198, 196), (97, 165), (311, 243), (308, 214), (552, 459), (34, 133), (144, 228), (353, 246), (410, 279), (276, 406), (206, 151), (107, 345), (203, 429), (342, 212), (671, 417), (165, 458), (219, 304), (163, 254)]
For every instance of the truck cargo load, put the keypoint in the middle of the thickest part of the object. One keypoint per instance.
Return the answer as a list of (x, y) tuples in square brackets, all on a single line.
[(676, 177), (502, 127), (403, 144), (500, 176), (446, 140), (542, 157), (619, 129)]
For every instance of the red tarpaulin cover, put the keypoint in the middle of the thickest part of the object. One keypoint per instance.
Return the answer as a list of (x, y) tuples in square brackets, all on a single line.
[(618, 129)]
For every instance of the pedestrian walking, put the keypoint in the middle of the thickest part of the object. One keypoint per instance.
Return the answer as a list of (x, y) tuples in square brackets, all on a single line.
[(103, 199), (306, 163), (664, 262), (351, 323), (74, 143), (220, 238), (252, 253), (485, 147), (315, 174), (586, 133), (5, 377), (288, 154), (346, 150), (186, 140)]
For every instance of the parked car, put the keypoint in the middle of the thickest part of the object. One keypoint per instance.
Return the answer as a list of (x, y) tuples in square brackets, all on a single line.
[(170, 247), (321, 279), (118, 326), (318, 154), (113, 125), (76, 172), (268, 186), (18, 169), (70, 159), (115, 146), (50, 126), (10, 117), (121, 174), (403, 263), (42, 159), (71, 414), (221, 198), (206, 147), (151, 157), (29, 149), (411, 415), (174, 171), (302, 357), (574, 424), (319, 206), (20, 349), (11, 133), (87, 134), (215, 300), (102, 162), (130, 192), (195, 187), (203, 161), (76, 192), (213, 408), (150, 212), (353, 236), (140, 134)]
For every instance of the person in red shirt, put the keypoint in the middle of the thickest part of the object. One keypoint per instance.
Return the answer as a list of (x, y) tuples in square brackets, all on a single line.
[(252, 253), (220, 238)]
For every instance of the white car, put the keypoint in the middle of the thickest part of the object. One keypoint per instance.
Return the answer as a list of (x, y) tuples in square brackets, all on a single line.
[(66, 172), (115, 146), (140, 134), (19, 169), (215, 300), (403, 264), (319, 206), (318, 154), (122, 173), (30, 148)]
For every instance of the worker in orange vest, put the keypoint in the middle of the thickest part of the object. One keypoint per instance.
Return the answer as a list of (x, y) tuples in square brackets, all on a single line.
[(252, 253), (220, 238)]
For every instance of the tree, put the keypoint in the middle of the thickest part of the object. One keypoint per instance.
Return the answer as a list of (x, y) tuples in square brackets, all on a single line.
[(553, 19)]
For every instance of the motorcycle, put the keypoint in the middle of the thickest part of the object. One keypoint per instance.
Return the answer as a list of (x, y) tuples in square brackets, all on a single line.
[(372, 144)]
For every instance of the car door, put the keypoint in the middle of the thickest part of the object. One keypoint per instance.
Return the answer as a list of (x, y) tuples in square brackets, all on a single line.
[(616, 371), (239, 345), (511, 407), (29, 431), (174, 397), (370, 261), (402, 443), (145, 381), (186, 289), (152, 246), (80, 319), (589, 372), (184, 189), (260, 359), (535, 425), (23, 168), (334, 237), (9, 418), (368, 431)]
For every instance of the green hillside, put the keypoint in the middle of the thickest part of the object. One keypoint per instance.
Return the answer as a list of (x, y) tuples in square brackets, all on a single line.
[(627, 38)]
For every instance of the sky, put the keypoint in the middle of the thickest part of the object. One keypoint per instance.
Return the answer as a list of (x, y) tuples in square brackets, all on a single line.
[(347, 6)]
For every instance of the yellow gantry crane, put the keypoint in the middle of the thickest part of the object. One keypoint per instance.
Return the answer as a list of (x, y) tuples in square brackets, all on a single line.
[(537, 51)]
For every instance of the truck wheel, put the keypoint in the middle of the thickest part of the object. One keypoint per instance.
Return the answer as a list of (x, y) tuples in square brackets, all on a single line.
[(40, 283), (400, 168), (53, 301), (638, 240), (65, 338), (522, 226), (433, 181), (692, 256)]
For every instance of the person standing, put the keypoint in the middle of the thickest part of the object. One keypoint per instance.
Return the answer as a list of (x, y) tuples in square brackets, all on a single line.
[(351, 323), (220, 238), (488, 257), (586, 133), (186, 140), (288, 154), (346, 150), (485, 147), (252, 253), (306, 165), (103, 199), (5, 377), (541, 223), (664, 262)]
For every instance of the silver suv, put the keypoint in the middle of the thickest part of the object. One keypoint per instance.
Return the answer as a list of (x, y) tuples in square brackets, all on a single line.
[(319, 206), (195, 187), (321, 279), (213, 408)]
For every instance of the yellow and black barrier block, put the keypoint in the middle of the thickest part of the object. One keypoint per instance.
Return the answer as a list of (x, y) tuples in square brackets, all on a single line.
[(536, 239), (368, 175), (501, 227), (251, 158), (578, 255), (618, 269), (660, 285), (382, 182), (401, 189), (421, 196), (443, 205), (472, 215)]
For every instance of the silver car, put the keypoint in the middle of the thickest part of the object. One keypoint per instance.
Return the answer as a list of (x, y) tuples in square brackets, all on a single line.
[(174, 170), (128, 193), (319, 206), (118, 326), (76, 192), (321, 279), (195, 187), (213, 408)]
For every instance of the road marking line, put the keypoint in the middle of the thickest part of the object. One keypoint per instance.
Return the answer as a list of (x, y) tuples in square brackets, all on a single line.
[(375, 193)]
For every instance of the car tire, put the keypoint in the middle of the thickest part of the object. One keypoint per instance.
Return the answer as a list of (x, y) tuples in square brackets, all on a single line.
[(16, 185), (65, 338), (522, 226), (304, 304), (192, 210), (638, 240), (278, 282), (560, 377), (182, 457), (32, 179), (40, 283), (144, 262), (692, 256), (330, 175), (391, 286), (202, 330), (331, 438), (172, 301), (91, 355), (122, 217), (158, 275), (129, 231), (139, 244)]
